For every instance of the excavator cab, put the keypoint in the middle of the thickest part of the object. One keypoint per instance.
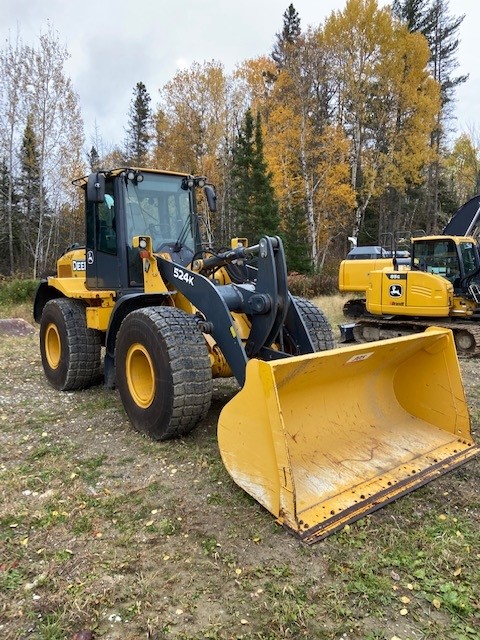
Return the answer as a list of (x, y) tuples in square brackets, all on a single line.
[(455, 258)]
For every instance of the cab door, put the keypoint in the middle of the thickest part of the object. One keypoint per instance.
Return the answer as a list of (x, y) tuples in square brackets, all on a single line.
[(102, 247)]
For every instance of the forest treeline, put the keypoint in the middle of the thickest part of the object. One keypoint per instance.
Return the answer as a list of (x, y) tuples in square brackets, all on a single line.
[(342, 130)]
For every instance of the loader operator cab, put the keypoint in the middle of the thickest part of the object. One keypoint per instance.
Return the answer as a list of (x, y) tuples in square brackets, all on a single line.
[(127, 203)]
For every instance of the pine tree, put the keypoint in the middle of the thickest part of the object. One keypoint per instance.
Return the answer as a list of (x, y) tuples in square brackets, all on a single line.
[(286, 40), (440, 29), (265, 210), (8, 223), (139, 132), (254, 201), (30, 194), (243, 158), (413, 12), (296, 239), (93, 159)]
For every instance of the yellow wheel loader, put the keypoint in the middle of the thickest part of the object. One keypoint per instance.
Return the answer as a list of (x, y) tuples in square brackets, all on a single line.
[(319, 436)]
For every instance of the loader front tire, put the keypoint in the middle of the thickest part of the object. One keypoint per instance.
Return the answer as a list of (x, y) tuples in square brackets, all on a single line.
[(71, 353), (163, 371), (317, 324)]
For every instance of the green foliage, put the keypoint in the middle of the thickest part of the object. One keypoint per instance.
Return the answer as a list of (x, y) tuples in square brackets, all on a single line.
[(11, 580), (17, 291), (139, 127), (285, 41), (297, 247), (253, 201)]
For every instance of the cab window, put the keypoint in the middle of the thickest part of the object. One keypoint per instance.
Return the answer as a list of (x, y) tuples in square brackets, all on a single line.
[(107, 233)]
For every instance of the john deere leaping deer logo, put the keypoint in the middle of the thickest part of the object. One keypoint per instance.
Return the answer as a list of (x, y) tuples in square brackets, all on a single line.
[(396, 291)]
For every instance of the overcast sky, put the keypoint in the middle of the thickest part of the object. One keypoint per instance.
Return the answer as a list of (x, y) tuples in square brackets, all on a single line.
[(116, 43)]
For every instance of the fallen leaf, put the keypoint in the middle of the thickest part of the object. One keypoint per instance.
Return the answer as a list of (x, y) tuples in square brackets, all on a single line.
[(436, 603), (85, 634), (458, 571)]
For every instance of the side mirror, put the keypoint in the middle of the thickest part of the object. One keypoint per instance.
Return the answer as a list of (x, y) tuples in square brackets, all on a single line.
[(211, 196), (96, 187)]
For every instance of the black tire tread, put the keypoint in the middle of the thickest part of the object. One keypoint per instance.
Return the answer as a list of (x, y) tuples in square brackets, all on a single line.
[(317, 324), (190, 370), (82, 349)]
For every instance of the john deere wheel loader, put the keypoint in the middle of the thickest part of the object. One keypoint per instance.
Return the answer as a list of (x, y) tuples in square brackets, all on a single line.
[(319, 436)]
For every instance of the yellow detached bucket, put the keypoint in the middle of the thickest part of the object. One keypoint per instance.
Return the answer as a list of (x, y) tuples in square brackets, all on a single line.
[(321, 440)]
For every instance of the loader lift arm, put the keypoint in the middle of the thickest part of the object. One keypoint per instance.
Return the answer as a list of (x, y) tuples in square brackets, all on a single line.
[(265, 300)]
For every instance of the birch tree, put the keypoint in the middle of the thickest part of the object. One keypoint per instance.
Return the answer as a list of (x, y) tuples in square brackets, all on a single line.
[(12, 114), (385, 99), (58, 126), (302, 145)]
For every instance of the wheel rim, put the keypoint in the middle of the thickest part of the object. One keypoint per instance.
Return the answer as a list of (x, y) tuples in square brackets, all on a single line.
[(140, 375), (53, 346)]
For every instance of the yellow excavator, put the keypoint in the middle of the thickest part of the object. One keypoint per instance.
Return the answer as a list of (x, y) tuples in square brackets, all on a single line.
[(320, 436), (439, 284)]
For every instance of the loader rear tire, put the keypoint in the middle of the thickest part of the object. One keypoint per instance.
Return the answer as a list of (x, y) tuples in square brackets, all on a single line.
[(317, 324), (71, 353), (163, 371)]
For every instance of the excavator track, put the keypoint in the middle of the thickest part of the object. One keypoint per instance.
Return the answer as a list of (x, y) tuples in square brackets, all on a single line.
[(466, 334)]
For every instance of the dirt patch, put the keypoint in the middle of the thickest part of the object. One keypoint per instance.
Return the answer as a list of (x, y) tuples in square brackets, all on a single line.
[(104, 530)]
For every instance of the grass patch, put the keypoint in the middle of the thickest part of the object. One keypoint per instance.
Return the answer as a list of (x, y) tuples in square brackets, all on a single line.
[(103, 529)]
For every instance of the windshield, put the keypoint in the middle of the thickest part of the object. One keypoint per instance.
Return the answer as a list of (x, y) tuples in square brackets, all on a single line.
[(439, 257), (160, 208)]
